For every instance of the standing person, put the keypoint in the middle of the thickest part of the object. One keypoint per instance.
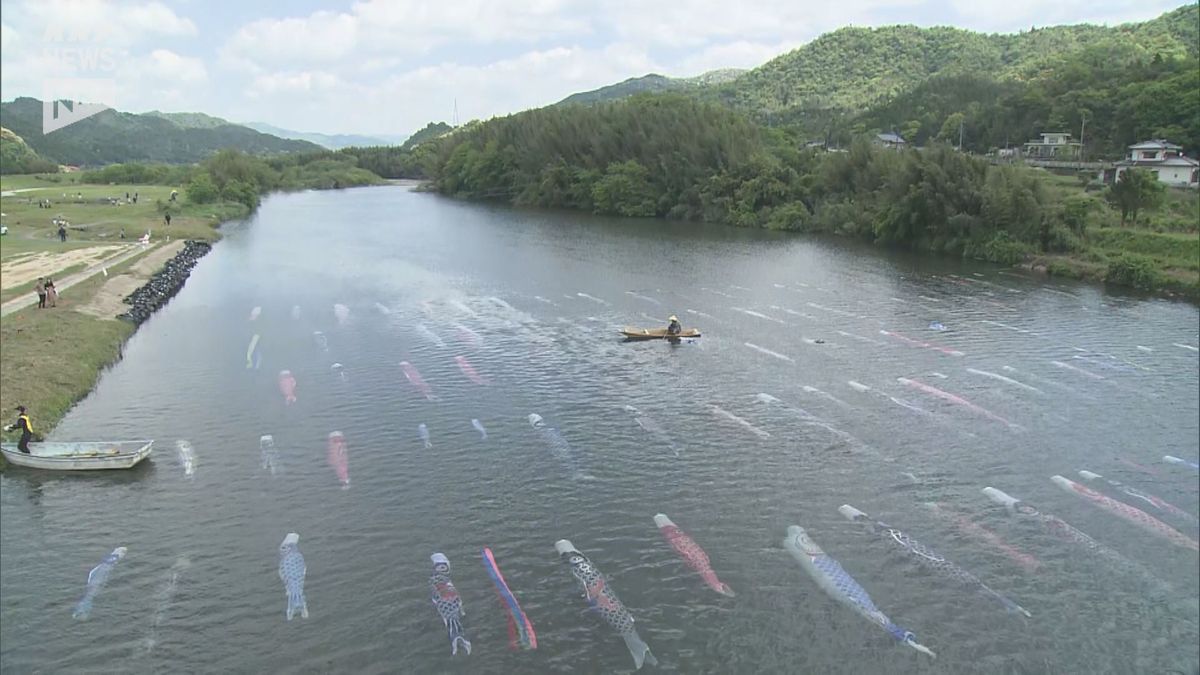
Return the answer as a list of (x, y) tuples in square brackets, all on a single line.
[(135, 198), (167, 218), (62, 232), (26, 428), (40, 288), (51, 293)]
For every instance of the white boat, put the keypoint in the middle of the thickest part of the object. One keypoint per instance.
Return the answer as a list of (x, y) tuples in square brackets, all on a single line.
[(79, 455)]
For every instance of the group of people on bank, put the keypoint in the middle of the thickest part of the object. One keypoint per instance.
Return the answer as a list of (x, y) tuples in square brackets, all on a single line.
[(47, 294)]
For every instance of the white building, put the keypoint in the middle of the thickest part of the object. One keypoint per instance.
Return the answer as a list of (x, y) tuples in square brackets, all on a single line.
[(1165, 159), (1053, 145)]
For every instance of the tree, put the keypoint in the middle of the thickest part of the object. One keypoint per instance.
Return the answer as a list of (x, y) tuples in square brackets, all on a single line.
[(1134, 191), (201, 190), (624, 191), (949, 132)]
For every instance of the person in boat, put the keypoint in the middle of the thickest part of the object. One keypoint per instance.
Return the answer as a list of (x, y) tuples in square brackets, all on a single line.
[(26, 428), (674, 327)]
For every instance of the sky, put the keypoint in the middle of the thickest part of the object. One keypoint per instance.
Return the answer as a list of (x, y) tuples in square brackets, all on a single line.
[(391, 66)]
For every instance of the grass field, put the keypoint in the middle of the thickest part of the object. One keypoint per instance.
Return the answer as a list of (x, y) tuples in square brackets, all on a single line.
[(50, 359), (94, 218), (94, 221)]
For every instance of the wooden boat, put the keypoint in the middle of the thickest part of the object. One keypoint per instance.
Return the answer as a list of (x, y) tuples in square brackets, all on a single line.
[(657, 333), (79, 455)]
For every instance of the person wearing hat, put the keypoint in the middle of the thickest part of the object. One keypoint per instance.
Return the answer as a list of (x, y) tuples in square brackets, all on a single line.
[(674, 328), (26, 428)]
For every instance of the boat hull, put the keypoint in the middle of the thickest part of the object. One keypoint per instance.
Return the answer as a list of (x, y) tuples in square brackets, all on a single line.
[(81, 456), (657, 334)]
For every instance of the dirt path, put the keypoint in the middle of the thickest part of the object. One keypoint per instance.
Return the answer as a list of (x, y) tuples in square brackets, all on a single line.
[(109, 300), (25, 268), (72, 279)]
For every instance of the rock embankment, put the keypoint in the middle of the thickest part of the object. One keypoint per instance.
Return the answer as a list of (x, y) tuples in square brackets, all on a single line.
[(165, 283)]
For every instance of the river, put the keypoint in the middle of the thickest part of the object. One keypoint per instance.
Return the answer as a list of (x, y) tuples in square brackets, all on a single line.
[(1054, 378)]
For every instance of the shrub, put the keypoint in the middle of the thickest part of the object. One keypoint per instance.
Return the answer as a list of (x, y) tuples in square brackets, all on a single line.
[(1131, 269), (1000, 248)]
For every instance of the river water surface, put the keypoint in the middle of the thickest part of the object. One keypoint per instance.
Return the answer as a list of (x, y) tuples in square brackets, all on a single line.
[(1059, 378)]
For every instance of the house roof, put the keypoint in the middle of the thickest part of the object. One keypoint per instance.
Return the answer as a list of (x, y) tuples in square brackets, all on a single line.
[(890, 137), (1170, 161), (1156, 144)]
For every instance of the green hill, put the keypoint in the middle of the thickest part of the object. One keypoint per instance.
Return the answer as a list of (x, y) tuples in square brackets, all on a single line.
[(191, 120), (113, 137), (653, 84), (646, 84), (428, 132), (17, 157), (852, 69)]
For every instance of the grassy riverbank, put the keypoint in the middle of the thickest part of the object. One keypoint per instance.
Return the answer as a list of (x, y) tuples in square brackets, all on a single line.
[(1160, 254), (52, 358)]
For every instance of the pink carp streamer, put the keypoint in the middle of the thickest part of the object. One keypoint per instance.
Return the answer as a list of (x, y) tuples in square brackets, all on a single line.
[(957, 400), (921, 343), (465, 366), (338, 458), (415, 379), (691, 553), (1130, 513), (970, 528), (287, 386)]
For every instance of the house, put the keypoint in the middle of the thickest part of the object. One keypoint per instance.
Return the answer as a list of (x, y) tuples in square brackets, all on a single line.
[(1166, 160), (890, 140), (1053, 145)]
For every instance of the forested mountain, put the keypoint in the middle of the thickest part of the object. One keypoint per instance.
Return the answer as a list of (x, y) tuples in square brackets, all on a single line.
[(1128, 84), (852, 69), (654, 84), (111, 137), (191, 120), (17, 157), (1122, 98)]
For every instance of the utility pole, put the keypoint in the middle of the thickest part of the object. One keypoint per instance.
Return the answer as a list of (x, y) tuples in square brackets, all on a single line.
[(960, 134), (456, 112)]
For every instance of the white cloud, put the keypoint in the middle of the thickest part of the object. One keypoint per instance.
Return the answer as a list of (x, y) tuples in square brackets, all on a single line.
[(694, 23), (408, 100), (9, 39), (166, 65), (303, 82), (102, 22), (484, 21), (378, 30), (320, 37)]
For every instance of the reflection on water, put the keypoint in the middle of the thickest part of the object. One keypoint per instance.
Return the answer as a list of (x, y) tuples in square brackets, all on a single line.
[(425, 333)]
